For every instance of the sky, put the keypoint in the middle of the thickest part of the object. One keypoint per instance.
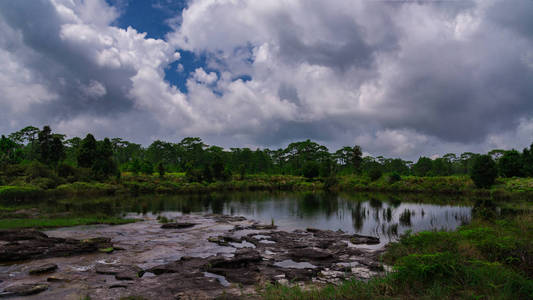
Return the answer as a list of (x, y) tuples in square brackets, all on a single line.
[(399, 78)]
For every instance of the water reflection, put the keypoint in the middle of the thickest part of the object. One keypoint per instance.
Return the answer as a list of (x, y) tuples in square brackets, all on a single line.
[(370, 214)]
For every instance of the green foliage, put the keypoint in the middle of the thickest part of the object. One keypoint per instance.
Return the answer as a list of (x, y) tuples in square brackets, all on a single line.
[(375, 174), (147, 168), (479, 261), (60, 222), (394, 177), (161, 169), (104, 164), (19, 193), (484, 171), (88, 152), (311, 170), (423, 166), (510, 164)]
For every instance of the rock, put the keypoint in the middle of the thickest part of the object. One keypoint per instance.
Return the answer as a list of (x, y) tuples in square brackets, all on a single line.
[(26, 289), (224, 240), (226, 218), (121, 272), (12, 235), (310, 254), (363, 239), (55, 279), (48, 268), (186, 265), (129, 275), (177, 225), (23, 244), (257, 226)]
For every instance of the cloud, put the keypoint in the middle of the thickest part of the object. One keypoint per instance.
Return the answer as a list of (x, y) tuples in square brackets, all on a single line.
[(451, 73), (400, 78)]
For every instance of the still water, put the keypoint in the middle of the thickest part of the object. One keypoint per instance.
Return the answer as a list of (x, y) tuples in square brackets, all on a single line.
[(381, 215)]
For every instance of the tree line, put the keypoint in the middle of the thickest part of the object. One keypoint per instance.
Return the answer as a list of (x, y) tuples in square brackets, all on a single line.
[(202, 162)]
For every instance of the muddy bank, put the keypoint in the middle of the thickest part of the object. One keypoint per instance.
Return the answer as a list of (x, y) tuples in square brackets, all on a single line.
[(197, 257)]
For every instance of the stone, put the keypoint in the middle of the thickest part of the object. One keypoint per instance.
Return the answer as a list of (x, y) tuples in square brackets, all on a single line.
[(47, 268), (55, 279), (310, 254), (26, 289), (21, 244), (121, 272), (178, 225)]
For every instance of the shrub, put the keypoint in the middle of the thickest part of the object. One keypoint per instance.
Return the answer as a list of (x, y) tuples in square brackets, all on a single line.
[(37, 169), (484, 171), (65, 170), (19, 193), (394, 177), (375, 174), (311, 170)]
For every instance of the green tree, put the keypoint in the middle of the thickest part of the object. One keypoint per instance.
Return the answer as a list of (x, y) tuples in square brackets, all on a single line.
[(161, 169), (104, 164), (510, 164), (484, 171), (57, 151), (9, 151), (423, 166), (88, 152), (147, 168), (45, 145), (527, 161), (311, 169)]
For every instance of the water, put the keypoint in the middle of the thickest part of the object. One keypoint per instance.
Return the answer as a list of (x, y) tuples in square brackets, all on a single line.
[(381, 215)]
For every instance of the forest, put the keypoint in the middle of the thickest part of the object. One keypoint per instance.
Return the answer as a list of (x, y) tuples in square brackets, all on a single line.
[(84, 159)]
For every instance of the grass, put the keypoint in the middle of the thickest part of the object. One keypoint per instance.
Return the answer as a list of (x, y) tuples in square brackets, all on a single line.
[(19, 193), (60, 222), (176, 183), (487, 259)]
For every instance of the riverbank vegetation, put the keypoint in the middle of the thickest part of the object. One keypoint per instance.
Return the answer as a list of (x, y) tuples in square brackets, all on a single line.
[(39, 163), (490, 258)]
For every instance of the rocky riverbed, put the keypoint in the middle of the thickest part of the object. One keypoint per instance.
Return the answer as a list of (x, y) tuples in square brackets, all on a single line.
[(194, 257)]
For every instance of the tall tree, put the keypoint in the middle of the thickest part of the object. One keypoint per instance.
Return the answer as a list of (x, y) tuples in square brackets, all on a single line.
[(423, 166), (45, 145), (484, 171), (88, 152), (510, 164), (57, 151)]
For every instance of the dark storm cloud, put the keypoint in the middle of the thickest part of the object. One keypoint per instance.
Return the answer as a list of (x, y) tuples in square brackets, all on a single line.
[(401, 78)]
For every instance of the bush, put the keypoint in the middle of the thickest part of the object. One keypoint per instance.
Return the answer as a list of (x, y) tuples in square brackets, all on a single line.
[(37, 169), (19, 193), (484, 171), (375, 174), (394, 177), (311, 170), (65, 170)]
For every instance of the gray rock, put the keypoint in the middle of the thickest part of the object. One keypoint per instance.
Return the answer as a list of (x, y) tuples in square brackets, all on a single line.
[(48, 268), (177, 225), (26, 289)]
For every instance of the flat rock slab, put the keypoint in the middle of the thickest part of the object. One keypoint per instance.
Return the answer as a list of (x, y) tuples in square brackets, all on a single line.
[(178, 225), (224, 256), (21, 244), (24, 289), (47, 268), (121, 272)]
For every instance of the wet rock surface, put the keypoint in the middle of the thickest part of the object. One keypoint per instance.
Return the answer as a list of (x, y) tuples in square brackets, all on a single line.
[(47, 268), (18, 245), (24, 289), (218, 256), (177, 225)]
